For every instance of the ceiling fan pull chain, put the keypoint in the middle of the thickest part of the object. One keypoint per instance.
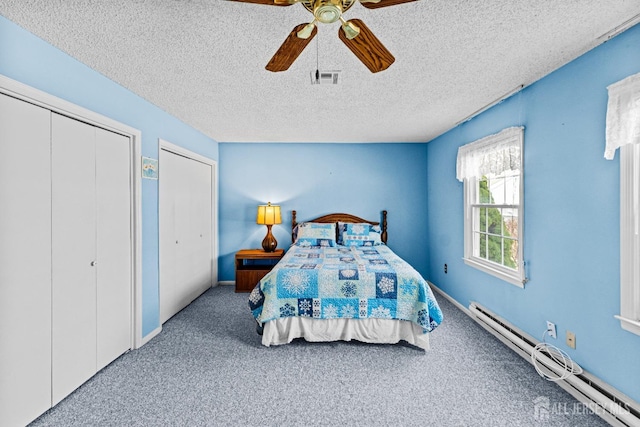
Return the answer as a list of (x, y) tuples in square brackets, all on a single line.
[(317, 60)]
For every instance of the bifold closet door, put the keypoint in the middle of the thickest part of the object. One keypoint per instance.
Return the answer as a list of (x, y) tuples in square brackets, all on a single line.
[(185, 199), (25, 262), (91, 247), (195, 257), (114, 269), (73, 254)]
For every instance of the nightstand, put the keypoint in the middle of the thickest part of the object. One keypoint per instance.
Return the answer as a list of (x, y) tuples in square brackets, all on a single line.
[(252, 265)]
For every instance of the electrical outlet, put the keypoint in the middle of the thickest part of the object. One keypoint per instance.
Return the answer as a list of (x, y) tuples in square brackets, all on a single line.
[(445, 269), (551, 329), (571, 339)]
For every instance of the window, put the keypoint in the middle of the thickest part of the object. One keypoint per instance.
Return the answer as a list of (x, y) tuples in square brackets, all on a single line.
[(630, 238), (491, 169), (623, 131)]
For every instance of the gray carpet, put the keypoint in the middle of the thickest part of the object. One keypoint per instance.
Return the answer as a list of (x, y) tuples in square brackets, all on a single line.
[(207, 367)]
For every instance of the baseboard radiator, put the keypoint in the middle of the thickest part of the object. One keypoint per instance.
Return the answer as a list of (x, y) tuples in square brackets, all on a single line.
[(611, 405)]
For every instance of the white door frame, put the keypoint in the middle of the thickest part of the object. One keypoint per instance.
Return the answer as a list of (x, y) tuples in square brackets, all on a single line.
[(37, 97), (167, 146)]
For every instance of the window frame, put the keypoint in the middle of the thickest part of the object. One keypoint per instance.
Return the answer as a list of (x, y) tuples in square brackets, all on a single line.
[(630, 238), (514, 277)]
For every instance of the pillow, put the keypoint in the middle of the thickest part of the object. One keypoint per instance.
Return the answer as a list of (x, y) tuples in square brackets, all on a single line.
[(315, 234), (358, 234)]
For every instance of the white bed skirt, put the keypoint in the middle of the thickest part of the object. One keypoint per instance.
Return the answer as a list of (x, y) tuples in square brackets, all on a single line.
[(381, 331)]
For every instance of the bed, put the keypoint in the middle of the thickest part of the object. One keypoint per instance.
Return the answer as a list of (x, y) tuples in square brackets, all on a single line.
[(339, 281)]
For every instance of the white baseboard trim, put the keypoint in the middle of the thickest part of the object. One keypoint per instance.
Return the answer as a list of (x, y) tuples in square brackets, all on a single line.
[(450, 299)]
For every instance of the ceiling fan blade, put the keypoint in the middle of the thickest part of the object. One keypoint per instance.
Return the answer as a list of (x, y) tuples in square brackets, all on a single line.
[(367, 47), (290, 50), (267, 2), (374, 4)]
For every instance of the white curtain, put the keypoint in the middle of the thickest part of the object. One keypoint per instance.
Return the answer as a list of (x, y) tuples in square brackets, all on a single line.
[(623, 115), (492, 154)]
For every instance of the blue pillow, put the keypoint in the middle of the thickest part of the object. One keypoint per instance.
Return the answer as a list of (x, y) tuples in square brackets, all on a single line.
[(358, 234), (316, 234)]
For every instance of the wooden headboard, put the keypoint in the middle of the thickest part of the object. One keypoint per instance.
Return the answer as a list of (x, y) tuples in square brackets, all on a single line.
[(343, 217)]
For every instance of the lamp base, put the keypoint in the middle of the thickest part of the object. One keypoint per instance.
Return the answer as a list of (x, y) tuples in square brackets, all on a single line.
[(269, 243)]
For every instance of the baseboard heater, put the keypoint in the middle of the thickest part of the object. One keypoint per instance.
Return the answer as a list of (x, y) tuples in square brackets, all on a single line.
[(602, 399)]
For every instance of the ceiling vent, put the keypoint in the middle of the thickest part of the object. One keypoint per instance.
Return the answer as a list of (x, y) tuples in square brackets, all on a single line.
[(325, 77)]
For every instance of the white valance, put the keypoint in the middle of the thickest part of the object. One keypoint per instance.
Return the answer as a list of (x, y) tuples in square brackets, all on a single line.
[(492, 154), (623, 115)]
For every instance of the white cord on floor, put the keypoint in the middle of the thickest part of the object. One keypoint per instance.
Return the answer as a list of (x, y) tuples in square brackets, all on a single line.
[(559, 356)]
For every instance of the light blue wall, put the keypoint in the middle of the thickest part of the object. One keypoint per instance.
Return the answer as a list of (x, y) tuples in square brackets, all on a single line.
[(317, 179), (571, 193), (28, 59), (571, 235)]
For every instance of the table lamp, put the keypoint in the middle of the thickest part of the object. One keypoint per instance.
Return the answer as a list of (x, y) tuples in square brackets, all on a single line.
[(268, 215)]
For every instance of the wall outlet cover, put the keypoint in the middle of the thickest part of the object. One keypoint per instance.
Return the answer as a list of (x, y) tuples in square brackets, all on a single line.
[(551, 329), (571, 339)]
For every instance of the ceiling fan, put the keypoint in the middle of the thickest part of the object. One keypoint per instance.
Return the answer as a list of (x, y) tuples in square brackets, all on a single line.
[(353, 33)]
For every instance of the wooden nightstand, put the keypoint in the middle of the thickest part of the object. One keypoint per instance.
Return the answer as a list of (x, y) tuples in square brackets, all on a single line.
[(252, 265)]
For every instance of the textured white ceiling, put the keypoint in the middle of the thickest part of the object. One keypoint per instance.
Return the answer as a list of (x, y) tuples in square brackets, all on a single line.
[(203, 60)]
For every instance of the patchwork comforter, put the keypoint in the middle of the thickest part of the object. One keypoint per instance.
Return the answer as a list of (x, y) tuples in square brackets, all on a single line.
[(345, 282)]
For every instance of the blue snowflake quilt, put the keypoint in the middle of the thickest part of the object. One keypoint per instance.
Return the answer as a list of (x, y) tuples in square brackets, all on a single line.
[(353, 282)]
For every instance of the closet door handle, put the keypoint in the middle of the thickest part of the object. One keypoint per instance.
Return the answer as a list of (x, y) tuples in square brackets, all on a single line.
[(93, 263)]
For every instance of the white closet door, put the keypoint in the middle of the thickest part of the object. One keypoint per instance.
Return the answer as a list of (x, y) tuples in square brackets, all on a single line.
[(168, 188), (25, 262), (193, 230), (200, 252), (185, 231), (183, 193), (113, 246), (73, 254)]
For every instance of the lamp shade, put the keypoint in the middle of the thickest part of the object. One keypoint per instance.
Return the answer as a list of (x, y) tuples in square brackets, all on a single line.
[(269, 214)]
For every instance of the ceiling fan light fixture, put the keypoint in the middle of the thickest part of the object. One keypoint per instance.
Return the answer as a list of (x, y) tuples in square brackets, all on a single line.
[(328, 14), (327, 11), (305, 33), (350, 29)]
